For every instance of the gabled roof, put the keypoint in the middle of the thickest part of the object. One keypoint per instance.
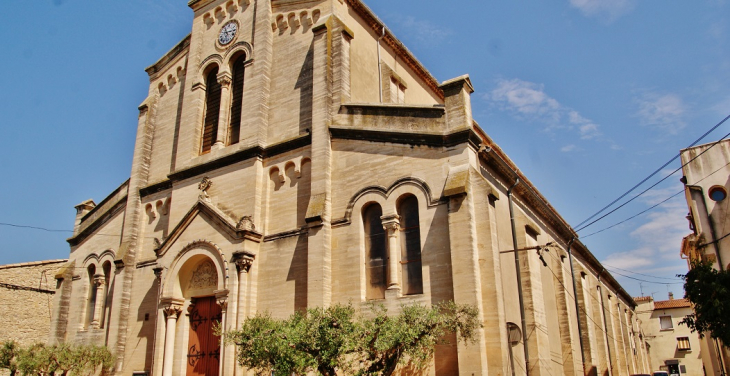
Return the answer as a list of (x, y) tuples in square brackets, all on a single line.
[(674, 303), (210, 211)]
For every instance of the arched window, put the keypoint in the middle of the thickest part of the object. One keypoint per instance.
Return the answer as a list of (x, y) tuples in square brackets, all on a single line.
[(237, 94), (91, 297), (106, 308), (375, 252), (212, 110), (410, 246)]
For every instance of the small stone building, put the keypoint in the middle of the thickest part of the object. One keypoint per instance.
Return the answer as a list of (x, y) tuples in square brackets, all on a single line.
[(26, 300), (294, 154), (672, 346)]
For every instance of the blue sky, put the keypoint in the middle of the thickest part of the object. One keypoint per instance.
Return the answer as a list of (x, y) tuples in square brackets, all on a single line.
[(587, 97)]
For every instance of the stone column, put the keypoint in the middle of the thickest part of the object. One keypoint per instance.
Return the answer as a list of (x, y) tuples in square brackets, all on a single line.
[(225, 79), (243, 264), (172, 312), (391, 224), (221, 298), (99, 284)]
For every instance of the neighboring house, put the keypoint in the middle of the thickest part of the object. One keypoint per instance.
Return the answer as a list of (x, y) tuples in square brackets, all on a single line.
[(26, 300), (706, 170), (672, 347), (294, 154)]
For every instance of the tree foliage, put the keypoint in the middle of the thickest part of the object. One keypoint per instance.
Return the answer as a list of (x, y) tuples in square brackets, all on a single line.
[(709, 292), (335, 339), (57, 360)]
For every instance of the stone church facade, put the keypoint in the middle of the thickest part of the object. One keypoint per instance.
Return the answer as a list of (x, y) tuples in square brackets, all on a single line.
[(294, 154)]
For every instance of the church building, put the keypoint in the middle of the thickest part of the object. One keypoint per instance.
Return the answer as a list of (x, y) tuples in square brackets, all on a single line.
[(294, 154)]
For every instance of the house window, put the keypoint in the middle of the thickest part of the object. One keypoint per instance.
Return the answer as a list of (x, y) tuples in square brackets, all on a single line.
[(375, 252), (237, 100), (683, 344), (411, 246), (212, 110), (665, 322)]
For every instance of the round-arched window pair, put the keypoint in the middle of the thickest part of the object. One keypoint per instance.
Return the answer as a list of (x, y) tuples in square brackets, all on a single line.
[(717, 193)]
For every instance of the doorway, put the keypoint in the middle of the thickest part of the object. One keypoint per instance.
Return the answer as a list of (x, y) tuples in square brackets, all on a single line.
[(204, 349)]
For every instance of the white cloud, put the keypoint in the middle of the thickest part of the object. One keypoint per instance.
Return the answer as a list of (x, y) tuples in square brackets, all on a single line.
[(568, 148), (529, 101), (664, 112), (658, 238), (607, 9)]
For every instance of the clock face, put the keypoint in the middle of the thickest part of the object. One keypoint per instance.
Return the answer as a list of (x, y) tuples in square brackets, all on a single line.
[(227, 33)]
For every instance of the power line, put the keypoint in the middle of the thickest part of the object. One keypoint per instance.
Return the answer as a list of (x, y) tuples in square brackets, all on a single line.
[(633, 216), (645, 275), (654, 206), (657, 183), (651, 175)]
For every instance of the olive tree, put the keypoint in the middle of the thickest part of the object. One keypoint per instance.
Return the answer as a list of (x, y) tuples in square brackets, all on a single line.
[(334, 339)]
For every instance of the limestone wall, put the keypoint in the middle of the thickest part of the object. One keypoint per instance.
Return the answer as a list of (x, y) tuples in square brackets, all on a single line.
[(26, 300)]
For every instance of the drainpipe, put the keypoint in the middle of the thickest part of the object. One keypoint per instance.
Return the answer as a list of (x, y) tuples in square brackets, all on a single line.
[(380, 68), (519, 275), (577, 308), (605, 327)]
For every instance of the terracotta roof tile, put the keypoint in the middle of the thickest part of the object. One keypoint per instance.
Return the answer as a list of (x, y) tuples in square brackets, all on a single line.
[(674, 303)]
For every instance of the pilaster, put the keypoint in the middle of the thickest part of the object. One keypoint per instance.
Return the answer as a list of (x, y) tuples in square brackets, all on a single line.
[(319, 263), (466, 276), (127, 253)]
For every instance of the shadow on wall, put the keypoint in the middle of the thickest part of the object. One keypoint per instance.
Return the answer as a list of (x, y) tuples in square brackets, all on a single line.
[(148, 319), (298, 272), (305, 83)]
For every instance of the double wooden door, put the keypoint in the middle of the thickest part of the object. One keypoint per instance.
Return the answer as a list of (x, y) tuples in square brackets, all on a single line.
[(204, 347)]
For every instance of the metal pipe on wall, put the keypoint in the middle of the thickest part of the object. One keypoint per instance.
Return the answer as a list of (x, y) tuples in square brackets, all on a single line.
[(519, 275)]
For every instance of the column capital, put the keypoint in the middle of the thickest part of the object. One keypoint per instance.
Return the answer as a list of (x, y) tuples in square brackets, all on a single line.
[(391, 222), (225, 79), (99, 280), (221, 297), (172, 307), (243, 261)]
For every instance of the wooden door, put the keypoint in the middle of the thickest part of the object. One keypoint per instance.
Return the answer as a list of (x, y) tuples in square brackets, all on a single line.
[(203, 345)]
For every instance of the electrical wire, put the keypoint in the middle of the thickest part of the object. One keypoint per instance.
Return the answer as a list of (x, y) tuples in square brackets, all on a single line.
[(655, 184), (654, 206), (645, 275), (653, 173)]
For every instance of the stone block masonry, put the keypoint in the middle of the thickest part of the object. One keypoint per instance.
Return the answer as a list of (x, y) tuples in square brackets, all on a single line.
[(26, 300)]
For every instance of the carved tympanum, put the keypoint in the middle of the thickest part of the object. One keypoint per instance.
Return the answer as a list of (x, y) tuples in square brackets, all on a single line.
[(205, 275)]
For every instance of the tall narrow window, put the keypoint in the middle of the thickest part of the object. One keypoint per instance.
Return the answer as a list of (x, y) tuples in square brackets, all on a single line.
[(212, 109), (107, 285), (375, 252), (411, 246), (91, 297), (236, 104)]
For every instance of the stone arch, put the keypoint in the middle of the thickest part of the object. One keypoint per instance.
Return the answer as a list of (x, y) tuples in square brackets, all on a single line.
[(413, 185), (188, 260), (236, 49), (210, 62)]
